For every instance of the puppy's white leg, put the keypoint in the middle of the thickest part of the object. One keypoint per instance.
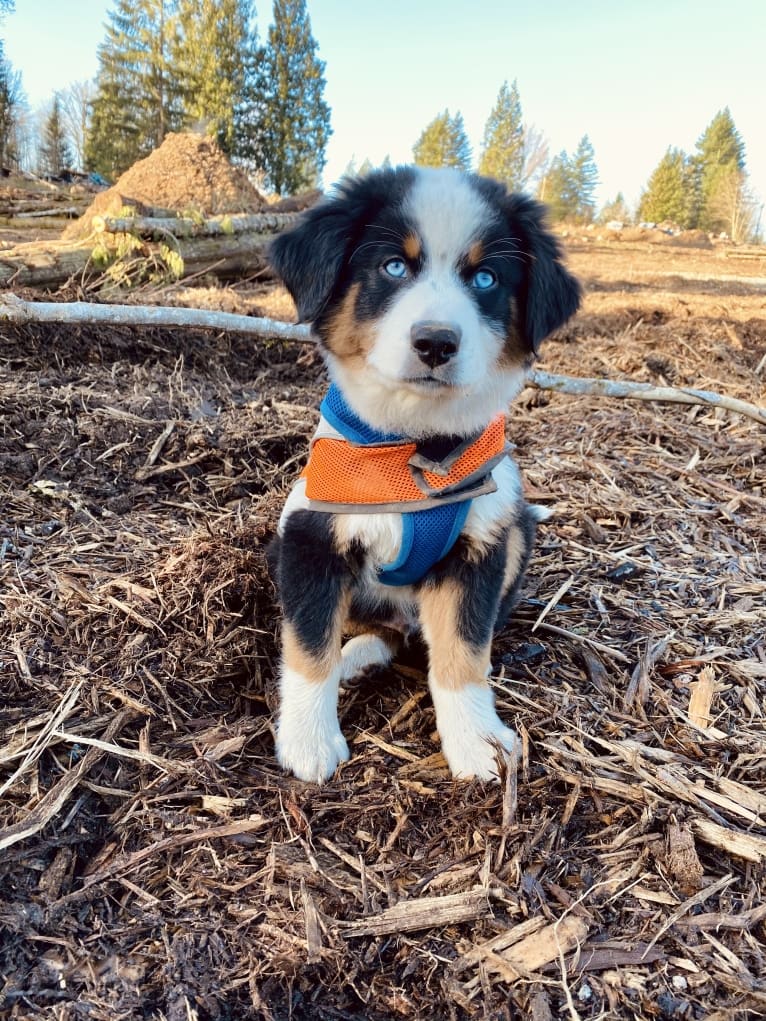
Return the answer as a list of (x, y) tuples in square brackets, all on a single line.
[(471, 732), (309, 740), (364, 652)]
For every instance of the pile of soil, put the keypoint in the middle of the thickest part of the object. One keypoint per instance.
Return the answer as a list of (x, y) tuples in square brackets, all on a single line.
[(187, 172)]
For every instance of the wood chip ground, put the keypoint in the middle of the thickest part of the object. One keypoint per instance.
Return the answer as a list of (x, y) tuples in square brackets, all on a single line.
[(155, 863)]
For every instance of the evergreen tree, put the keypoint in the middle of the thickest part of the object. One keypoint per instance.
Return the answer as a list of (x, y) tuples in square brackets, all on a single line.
[(570, 183), (720, 151), (585, 180), (443, 143), (210, 57), (667, 195), (138, 97), (55, 151), (503, 149), (558, 188), (616, 210), (249, 108), (292, 125)]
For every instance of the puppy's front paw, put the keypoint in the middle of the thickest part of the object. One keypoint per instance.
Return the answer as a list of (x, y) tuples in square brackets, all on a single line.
[(472, 734), (475, 754), (309, 740), (312, 754)]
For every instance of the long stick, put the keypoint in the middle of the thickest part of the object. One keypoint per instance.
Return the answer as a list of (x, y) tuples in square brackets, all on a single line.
[(576, 385), (13, 309)]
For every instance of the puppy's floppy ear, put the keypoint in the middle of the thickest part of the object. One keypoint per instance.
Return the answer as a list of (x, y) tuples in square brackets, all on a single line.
[(549, 294), (310, 257)]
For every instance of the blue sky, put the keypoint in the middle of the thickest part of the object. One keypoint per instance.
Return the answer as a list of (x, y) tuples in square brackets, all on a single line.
[(636, 77)]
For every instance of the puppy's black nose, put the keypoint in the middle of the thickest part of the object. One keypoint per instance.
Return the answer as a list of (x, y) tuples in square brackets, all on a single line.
[(435, 343)]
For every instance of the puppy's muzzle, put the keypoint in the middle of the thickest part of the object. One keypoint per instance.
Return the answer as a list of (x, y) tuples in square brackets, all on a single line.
[(435, 343)]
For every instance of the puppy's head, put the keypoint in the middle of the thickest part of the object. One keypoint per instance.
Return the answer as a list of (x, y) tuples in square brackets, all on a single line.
[(430, 292)]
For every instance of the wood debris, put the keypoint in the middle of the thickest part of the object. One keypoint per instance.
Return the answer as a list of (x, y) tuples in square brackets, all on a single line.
[(156, 862)]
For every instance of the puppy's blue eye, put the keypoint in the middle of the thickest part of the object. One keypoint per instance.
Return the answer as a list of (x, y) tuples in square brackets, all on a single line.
[(396, 268), (483, 279)]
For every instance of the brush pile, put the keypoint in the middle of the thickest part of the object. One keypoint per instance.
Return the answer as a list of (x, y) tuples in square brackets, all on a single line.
[(153, 859)]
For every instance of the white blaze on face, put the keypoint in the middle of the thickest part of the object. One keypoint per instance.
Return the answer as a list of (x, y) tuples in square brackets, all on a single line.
[(448, 216)]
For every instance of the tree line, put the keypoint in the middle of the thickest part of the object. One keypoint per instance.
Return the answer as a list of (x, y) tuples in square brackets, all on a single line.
[(170, 65), (707, 189), (174, 65)]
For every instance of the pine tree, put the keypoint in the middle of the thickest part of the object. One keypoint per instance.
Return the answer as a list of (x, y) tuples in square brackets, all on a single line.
[(55, 151), (292, 125), (138, 97), (558, 188), (667, 195), (443, 143), (570, 183), (720, 152), (585, 180), (503, 150), (616, 210), (210, 56)]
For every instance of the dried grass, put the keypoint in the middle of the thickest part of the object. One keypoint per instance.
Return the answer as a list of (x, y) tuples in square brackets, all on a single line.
[(156, 863)]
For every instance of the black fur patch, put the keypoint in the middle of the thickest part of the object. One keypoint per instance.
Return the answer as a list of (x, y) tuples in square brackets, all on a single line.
[(314, 259), (527, 522), (311, 577), (549, 294)]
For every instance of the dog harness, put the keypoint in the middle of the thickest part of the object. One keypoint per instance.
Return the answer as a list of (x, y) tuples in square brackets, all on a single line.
[(354, 468)]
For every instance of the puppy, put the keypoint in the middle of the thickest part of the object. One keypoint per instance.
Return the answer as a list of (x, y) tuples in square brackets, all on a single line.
[(429, 292)]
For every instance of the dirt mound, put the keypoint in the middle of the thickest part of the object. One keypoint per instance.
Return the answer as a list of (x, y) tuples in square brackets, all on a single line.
[(691, 239), (187, 172)]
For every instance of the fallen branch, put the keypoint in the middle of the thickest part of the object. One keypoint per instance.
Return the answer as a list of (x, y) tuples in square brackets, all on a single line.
[(181, 227), (29, 214), (13, 309), (576, 386)]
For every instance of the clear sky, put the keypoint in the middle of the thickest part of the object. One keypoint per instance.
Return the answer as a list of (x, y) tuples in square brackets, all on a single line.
[(636, 77)]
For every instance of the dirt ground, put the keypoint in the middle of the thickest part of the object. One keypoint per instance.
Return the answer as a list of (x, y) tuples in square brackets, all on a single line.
[(154, 861)]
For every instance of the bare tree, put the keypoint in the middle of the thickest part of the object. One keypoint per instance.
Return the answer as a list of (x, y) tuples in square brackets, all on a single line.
[(536, 157), (11, 100), (75, 116), (734, 206)]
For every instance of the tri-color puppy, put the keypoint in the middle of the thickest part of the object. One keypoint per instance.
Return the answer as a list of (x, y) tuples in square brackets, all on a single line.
[(429, 292)]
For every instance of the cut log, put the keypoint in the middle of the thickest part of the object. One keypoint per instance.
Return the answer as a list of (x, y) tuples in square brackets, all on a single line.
[(49, 264), (31, 214), (42, 264), (159, 227)]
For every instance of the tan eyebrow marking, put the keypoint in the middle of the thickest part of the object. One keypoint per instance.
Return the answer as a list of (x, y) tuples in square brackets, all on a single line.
[(412, 247), (475, 253)]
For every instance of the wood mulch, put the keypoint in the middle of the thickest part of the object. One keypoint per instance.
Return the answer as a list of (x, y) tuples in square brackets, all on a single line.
[(155, 862)]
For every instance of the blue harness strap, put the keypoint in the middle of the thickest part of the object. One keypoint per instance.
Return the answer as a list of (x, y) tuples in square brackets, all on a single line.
[(427, 535)]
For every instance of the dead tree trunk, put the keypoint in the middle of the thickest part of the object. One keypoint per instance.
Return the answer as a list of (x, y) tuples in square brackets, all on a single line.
[(52, 263), (160, 227)]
